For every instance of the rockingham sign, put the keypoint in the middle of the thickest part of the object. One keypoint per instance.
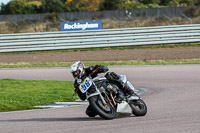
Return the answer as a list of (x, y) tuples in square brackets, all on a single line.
[(83, 25)]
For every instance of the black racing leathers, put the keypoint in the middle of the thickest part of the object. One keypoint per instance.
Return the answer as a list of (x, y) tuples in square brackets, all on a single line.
[(89, 71)]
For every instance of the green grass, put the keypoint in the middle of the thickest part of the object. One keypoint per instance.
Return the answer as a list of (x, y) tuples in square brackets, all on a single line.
[(25, 94), (113, 48), (108, 63)]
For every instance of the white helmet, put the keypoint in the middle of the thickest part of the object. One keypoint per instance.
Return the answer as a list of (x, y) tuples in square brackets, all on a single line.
[(77, 69)]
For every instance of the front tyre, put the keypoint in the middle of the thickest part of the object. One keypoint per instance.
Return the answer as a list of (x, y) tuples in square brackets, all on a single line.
[(107, 112), (138, 107)]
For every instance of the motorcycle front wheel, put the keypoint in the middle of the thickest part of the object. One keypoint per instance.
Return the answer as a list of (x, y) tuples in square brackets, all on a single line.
[(107, 112), (138, 107)]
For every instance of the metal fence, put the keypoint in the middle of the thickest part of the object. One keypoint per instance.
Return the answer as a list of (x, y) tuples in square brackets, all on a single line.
[(71, 16), (99, 38)]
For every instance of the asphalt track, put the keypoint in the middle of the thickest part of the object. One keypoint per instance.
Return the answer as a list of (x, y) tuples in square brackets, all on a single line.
[(173, 100)]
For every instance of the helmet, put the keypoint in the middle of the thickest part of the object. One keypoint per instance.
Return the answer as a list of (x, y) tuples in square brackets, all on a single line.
[(77, 69)]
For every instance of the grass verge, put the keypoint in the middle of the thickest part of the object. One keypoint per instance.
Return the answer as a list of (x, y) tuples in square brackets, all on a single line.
[(25, 94), (108, 63)]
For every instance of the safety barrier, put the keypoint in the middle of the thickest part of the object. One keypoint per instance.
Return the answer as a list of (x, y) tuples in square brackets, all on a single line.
[(99, 38)]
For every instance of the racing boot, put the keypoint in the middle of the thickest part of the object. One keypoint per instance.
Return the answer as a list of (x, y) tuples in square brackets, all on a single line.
[(128, 91), (90, 112), (124, 87), (115, 78)]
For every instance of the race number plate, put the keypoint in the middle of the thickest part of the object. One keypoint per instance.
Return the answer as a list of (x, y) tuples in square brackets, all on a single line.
[(85, 85)]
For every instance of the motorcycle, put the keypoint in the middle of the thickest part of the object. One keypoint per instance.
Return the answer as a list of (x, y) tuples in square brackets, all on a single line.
[(107, 99)]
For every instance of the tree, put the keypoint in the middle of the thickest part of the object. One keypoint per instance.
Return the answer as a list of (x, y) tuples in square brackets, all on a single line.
[(14, 7), (83, 5), (197, 2), (2, 9), (187, 2), (18, 7), (128, 4), (110, 4), (52, 6), (149, 1), (165, 2)]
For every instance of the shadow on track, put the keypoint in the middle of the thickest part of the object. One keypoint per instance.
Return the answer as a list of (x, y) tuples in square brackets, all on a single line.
[(97, 118), (54, 119)]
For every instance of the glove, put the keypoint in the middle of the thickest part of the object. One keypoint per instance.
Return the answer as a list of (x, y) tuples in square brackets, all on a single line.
[(102, 69), (81, 95)]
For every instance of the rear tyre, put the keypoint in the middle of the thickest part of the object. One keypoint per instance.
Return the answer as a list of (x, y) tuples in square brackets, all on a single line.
[(107, 112), (138, 107)]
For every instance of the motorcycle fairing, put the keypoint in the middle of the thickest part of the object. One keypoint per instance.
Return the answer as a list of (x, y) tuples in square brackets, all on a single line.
[(124, 107)]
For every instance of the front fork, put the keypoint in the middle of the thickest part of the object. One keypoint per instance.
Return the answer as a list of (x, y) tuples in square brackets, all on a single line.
[(102, 98), (97, 93)]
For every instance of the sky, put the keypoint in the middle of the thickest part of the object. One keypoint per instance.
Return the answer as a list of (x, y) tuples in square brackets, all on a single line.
[(4, 1)]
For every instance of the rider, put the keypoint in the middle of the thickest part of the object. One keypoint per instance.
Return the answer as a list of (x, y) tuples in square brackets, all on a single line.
[(79, 71)]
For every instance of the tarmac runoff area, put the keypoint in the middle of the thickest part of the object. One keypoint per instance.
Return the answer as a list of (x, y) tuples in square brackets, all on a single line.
[(79, 102)]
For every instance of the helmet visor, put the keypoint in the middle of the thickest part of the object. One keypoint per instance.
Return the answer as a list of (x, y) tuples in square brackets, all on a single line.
[(76, 73)]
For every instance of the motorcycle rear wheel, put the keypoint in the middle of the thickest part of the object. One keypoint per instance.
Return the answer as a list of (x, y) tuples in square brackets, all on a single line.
[(138, 107), (107, 112)]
